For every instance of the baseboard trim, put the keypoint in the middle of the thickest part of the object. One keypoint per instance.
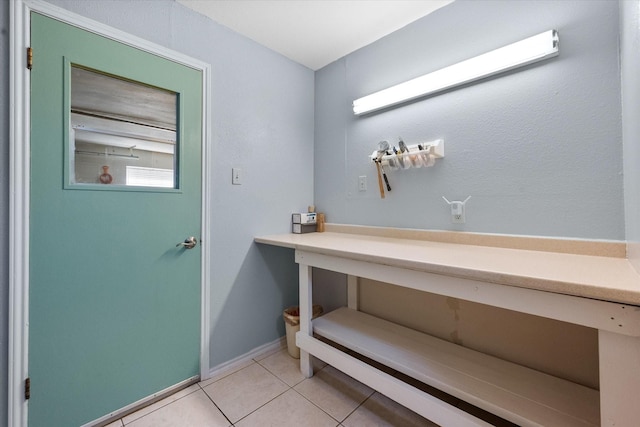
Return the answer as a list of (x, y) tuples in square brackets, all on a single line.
[(239, 362)]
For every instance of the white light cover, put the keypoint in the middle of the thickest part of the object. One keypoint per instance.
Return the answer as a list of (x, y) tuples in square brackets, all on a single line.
[(527, 51)]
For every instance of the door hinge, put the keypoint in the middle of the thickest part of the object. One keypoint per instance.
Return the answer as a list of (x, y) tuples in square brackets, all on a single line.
[(27, 389), (29, 58)]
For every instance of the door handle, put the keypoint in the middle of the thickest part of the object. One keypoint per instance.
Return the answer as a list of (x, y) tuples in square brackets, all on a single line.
[(189, 243)]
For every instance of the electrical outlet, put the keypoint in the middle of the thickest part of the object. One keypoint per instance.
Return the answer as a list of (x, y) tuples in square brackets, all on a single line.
[(236, 176), (457, 210), (362, 183), (457, 213)]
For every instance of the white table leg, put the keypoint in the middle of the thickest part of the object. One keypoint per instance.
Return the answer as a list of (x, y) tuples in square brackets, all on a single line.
[(306, 303), (619, 379)]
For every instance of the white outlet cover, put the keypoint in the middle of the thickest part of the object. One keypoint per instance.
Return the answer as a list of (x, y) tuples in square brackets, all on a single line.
[(457, 213), (236, 176), (362, 183)]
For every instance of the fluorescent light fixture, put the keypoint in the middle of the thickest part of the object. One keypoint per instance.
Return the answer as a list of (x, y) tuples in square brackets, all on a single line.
[(519, 54)]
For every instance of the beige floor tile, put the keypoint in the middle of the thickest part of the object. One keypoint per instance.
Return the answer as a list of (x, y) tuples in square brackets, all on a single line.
[(194, 410), (283, 345), (284, 367), (159, 404), (334, 392), (380, 411), (288, 409), (117, 423), (241, 393), (225, 372), (287, 368), (317, 364)]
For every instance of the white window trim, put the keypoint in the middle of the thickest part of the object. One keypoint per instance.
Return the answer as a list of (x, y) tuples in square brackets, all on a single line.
[(19, 189)]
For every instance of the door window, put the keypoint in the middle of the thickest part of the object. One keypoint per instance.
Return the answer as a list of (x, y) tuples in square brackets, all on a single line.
[(122, 133)]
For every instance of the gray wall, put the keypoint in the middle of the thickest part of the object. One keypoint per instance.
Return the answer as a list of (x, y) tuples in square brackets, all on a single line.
[(629, 48), (539, 150), (262, 114)]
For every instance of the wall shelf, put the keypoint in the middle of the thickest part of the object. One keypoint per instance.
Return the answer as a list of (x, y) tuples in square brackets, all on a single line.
[(415, 157)]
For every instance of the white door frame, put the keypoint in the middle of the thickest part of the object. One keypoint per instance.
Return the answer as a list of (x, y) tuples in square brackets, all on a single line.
[(19, 185)]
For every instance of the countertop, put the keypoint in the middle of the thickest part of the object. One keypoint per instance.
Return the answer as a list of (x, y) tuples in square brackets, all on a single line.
[(608, 278)]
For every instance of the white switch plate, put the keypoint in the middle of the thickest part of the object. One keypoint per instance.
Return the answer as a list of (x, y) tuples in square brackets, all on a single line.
[(236, 176), (362, 183)]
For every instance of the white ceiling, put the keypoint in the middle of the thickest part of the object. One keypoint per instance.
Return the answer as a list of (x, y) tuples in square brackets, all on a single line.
[(314, 33)]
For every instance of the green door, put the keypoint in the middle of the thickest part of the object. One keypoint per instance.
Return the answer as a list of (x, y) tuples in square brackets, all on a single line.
[(115, 185)]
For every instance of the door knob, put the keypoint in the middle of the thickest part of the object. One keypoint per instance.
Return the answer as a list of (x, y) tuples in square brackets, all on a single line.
[(189, 243)]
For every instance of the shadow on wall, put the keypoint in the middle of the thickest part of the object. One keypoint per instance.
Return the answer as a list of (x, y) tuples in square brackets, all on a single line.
[(330, 290), (250, 313)]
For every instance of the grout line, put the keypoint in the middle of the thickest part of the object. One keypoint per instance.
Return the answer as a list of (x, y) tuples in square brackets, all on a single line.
[(288, 388), (314, 404), (265, 404), (224, 374), (216, 405), (159, 407), (278, 377), (261, 406), (358, 407)]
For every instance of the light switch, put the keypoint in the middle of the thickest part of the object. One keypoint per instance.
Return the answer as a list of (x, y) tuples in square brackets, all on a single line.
[(236, 176)]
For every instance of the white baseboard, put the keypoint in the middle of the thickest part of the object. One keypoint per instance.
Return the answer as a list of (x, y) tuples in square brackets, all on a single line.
[(242, 360)]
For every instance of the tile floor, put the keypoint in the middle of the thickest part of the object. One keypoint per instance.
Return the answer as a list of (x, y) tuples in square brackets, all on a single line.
[(271, 391)]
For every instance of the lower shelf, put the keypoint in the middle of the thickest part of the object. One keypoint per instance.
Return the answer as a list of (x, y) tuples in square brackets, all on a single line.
[(516, 393)]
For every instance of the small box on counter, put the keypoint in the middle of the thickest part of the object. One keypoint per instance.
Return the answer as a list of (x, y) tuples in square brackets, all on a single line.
[(303, 228), (303, 218)]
